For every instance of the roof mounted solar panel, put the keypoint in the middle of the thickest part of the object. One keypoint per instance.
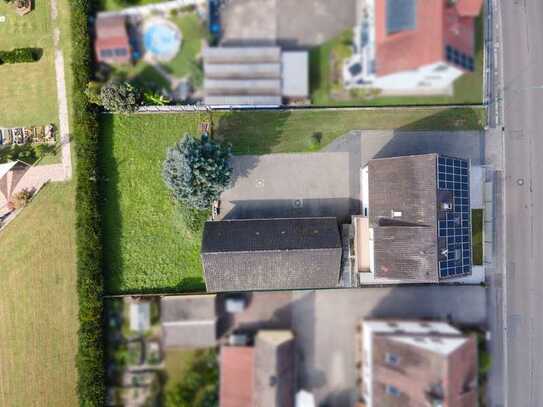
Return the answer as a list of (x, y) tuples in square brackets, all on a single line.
[(401, 15)]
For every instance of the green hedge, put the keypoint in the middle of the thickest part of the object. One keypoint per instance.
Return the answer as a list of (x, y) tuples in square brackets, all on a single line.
[(90, 357), (19, 55)]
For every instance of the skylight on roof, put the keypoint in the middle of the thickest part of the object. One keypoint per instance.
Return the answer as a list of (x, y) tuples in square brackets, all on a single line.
[(401, 15)]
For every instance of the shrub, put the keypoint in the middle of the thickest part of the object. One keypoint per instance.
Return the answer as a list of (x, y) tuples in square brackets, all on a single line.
[(19, 55), (90, 357), (155, 99), (200, 385), (21, 198), (93, 92), (315, 141), (197, 171), (120, 97), (44, 149)]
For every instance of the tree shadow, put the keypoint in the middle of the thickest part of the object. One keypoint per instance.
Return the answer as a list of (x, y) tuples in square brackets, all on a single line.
[(111, 214), (251, 134), (449, 119)]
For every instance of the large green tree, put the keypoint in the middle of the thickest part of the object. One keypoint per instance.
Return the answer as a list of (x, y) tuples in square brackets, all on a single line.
[(197, 171), (120, 97)]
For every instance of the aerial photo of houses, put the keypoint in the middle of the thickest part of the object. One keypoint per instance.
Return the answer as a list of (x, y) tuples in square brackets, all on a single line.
[(268, 203)]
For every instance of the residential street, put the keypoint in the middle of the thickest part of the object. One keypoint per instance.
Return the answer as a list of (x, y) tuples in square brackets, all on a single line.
[(523, 93)]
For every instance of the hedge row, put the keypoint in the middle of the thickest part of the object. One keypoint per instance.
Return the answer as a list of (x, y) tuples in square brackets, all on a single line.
[(90, 286), (19, 55)]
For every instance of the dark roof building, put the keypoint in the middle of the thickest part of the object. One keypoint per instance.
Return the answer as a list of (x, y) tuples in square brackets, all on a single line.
[(262, 375), (189, 321), (418, 363), (268, 254), (112, 44), (419, 213)]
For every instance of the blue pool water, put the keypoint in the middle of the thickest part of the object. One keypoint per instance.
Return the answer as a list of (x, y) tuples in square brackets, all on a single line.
[(161, 40)]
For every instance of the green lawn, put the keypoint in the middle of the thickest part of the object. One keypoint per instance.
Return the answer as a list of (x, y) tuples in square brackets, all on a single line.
[(38, 306), (148, 247), (28, 91), (111, 5), (477, 236), (177, 362), (194, 33), (325, 67)]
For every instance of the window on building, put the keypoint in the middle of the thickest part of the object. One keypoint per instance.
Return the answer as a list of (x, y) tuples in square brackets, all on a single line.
[(392, 359), (392, 390)]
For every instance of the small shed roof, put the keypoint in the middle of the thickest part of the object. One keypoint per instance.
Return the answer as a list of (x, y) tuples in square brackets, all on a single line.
[(295, 68), (140, 316)]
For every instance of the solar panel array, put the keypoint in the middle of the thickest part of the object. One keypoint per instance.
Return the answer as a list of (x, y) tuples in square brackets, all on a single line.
[(401, 15), (459, 58), (453, 176)]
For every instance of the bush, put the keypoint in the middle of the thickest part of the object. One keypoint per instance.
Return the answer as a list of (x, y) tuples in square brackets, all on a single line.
[(120, 97), (93, 92), (90, 357), (21, 198), (200, 385), (197, 171), (18, 55), (152, 98)]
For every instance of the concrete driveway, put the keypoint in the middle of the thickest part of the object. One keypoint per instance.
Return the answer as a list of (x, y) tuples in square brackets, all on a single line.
[(368, 144), (291, 185), (324, 322)]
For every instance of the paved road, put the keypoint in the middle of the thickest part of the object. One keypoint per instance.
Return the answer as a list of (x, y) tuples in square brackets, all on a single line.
[(523, 99)]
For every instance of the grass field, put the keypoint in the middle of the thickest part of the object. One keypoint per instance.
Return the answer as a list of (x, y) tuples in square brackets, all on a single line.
[(28, 91), (38, 306), (468, 89), (477, 236), (148, 247)]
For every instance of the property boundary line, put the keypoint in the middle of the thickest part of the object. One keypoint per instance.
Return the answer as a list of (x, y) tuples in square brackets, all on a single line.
[(284, 108)]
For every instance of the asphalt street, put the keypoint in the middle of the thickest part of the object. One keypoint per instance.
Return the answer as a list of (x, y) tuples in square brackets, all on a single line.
[(523, 119)]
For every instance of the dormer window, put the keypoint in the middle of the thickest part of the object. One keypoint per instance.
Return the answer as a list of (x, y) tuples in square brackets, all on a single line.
[(392, 359), (392, 390)]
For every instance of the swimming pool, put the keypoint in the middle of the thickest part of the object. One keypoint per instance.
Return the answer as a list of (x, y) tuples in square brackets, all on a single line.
[(161, 39)]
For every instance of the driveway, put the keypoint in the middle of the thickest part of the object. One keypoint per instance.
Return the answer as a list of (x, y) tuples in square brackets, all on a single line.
[(368, 144), (290, 185), (324, 322)]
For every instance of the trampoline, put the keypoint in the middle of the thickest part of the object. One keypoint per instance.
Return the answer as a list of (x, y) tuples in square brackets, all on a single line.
[(161, 39)]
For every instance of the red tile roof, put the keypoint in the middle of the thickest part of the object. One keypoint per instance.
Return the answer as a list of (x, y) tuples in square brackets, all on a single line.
[(111, 34), (469, 8), (437, 25), (237, 373)]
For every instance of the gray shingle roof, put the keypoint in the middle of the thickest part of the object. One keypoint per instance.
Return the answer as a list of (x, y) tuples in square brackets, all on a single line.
[(188, 321), (187, 308), (250, 235), (260, 254), (403, 215)]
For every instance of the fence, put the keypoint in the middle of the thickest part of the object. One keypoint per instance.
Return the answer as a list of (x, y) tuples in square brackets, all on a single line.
[(152, 8)]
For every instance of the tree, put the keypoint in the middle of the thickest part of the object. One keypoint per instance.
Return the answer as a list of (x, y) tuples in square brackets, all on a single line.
[(120, 97), (200, 385), (197, 171)]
